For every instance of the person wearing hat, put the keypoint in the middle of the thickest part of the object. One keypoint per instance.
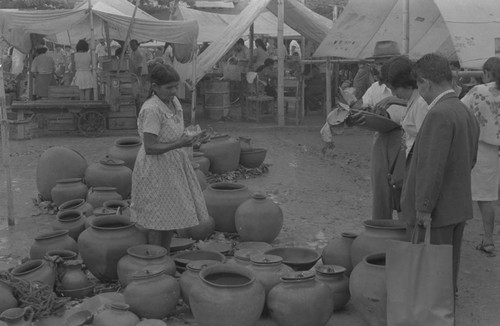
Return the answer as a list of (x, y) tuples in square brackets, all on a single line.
[(43, 67)]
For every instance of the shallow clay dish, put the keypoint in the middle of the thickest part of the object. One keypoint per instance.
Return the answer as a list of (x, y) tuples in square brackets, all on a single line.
[(178, 244), (298, 258)]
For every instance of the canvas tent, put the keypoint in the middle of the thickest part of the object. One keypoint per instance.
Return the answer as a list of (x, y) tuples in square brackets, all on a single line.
[(463, 30)]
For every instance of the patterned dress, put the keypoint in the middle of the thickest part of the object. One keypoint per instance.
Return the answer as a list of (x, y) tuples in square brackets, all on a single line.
[(166, 194)]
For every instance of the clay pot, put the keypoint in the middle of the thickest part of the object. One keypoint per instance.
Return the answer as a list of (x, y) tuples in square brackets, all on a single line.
[(121, 207), (55, 240), (245, 144), (368, 289), (334, 276), (199, 232), (18, 316), (102, 211), (203, 161), (116, 314), (300, 300), (65, 255), (58, 163), (126, 149), (7, 299), (36, 270), (68, 189), (144, 257), (223, 153), (242, 257), (105, 242), (227, 295), (152, 294), (374, 238), (71, 220), (110, 172), (338, 251), (258, 219), (73, 277), (202, 179), (190, 277), (253, 158), (99, 195), (222, 200), (77, 204)]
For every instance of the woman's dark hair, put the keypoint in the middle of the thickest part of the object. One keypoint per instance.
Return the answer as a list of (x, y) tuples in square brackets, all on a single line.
[(162, 74), (82, 46), (240, 42), (495, 72), (260, 43), (41, 50), (433, 67), (400, 73), (384, 72), (488, 64)]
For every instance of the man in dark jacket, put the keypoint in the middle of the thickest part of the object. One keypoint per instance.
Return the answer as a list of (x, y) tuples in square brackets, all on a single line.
[(437, 189)]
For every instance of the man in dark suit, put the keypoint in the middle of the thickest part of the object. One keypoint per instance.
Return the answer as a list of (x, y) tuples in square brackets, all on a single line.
[(437, 188)]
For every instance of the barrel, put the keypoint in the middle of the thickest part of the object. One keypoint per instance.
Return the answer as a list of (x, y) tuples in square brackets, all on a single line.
[(217, 99)]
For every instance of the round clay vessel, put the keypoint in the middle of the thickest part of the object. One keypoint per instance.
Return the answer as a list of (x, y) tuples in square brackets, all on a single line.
[(110, 172), (105, 242), (222, 200), (68, 189), (242, 257), (7, 299), (116, 314), (55, 240), (144, 257), (375, 236), (245, 144), (338, 251), (258, 219), (17, 316), (334, 276), (99, 195), (199, 232), (73, 277), (58, 163), (203, 161), (300, 300), (368, 289), (268, 270), (102, 211), (202, 179), (253, 158), (71, 220), (126, 149), (227, 295), (77, 204), (190, 277), (36, 270), (223, 153)]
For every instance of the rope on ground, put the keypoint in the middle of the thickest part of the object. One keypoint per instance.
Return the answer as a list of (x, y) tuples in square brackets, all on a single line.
[(241, 173)]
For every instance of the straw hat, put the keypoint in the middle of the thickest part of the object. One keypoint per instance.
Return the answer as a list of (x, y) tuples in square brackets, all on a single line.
[(385, 50)]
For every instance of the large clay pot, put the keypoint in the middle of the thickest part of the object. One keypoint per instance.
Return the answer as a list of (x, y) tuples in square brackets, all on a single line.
[(102, 211), (253, 158), (152, 294), (55, 240), (338, 251), (126, 149), (18, 316), (78, 204), (36, 270), (199, 232), (110, 172), (190, 277), (7, 299), (334, 276), (105, 242), (99, 195), (300, 300), (222, 200), (258, 219), (368, 289), (268, 270), (71, 220), (65, 255), (203, 161), (227, 295), (374, 238), (117, 314), (223, 153), (73, 277), (144, 257), (58, 163), (68, 189), (202, 179)]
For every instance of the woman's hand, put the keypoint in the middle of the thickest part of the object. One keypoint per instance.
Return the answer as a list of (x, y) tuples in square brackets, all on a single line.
[(355, 118), (388, 101), (186, 141)]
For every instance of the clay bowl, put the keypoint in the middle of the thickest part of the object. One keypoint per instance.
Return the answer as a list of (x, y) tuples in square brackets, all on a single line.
[(298, 258), (183, 258), (179, 244), (84, 317), (87, 291), (253, 158)]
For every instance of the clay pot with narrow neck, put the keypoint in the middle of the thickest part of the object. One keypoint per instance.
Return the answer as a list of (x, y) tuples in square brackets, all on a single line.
[(126, 149), (7, 299), (71, 220), (36, 270), (203, 161), (190, 277), (55, 240), (334, 276), (223, 153), (68, 189), (73, 277), (17, 316), (97, 196), (110, 172), (268, 270), (116, 314), (78, 204), (338, 251)]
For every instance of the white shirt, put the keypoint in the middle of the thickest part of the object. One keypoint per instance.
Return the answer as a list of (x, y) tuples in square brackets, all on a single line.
[(375, 93), (416, 111)]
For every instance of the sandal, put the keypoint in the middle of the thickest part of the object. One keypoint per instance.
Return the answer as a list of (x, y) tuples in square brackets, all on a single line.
[(487, 248)]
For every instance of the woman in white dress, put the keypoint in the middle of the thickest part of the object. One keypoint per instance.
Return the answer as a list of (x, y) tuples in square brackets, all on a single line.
[(82, 66)]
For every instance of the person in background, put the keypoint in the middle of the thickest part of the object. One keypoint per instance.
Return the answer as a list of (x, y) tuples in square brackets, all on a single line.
[(363, 79), (168, 54), (166, 194), (268, 76), (101, 50), (314, 90), (259, 53), (43, 67), (139, 67), (295, 48), (484, 101), (82, 66), (241, 53)]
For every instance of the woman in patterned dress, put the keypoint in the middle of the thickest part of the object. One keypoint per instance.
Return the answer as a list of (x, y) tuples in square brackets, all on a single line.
[(82, 67), (166, 194)]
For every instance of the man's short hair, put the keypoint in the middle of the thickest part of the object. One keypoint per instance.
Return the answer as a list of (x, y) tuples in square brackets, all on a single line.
[(490, 63), (433, 67)]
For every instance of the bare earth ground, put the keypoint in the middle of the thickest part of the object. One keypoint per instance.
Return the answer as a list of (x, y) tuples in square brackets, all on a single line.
[(321, 196)]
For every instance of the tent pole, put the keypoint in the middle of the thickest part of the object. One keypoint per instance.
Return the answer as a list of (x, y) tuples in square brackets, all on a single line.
[(108, 41), (4, 125), (250, 49), (92, 51), (281, 64), (328, 86), (193, 84), (406, 27), (125, 45)]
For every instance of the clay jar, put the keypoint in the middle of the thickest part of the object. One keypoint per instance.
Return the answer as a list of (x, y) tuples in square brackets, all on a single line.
[(202, 231), (58, 163), (334, 276), (374, 238), (36, 270), (368, 289), (258, 219), (7, 299), (68, 189), (152, 294), (105, 242), (190, 277), (71, 220), (102, 211), (338, 251), (222, 200), (300, 300), (203, 161), (116, 314), (18, 316), (245, 144), (77, 204), (223, 153), (99, 195), (110, 172), (126, 149), (144, 257), (227, 295), (202, 179), (73, 277), (55, 240)]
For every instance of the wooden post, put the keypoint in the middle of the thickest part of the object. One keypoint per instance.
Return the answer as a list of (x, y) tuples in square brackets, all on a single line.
[(108, 41), (250, 49), (281, 64), (4, 125), (406, 26), (193, 84), (336, 80), (125, 45), (328, 86), (92, 52)]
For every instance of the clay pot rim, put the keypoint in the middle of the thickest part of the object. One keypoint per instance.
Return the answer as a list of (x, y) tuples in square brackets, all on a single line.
[(28, 267), (193, 266), (266, 260), (147, 274), (253, 151), (118, 306), (73, 203), (198, 154), (314, 259), (111, 219), (230, 186), (61, 216), (108, 160), (259, 196), (181, 260), (375, 257), (69, 180), (130, 142), (70, 254), (118, 202), (325, 270), (103, 189), (227, 269), (297, 277), (51, 234), (349, 235), (140, 251), (385, 224), (195, 165)]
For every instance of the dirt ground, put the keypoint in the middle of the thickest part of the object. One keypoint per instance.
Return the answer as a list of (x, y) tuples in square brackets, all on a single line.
[(320, 195)]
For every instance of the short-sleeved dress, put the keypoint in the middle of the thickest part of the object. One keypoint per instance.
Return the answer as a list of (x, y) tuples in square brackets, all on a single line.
[(166, 194), (83, 76)]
